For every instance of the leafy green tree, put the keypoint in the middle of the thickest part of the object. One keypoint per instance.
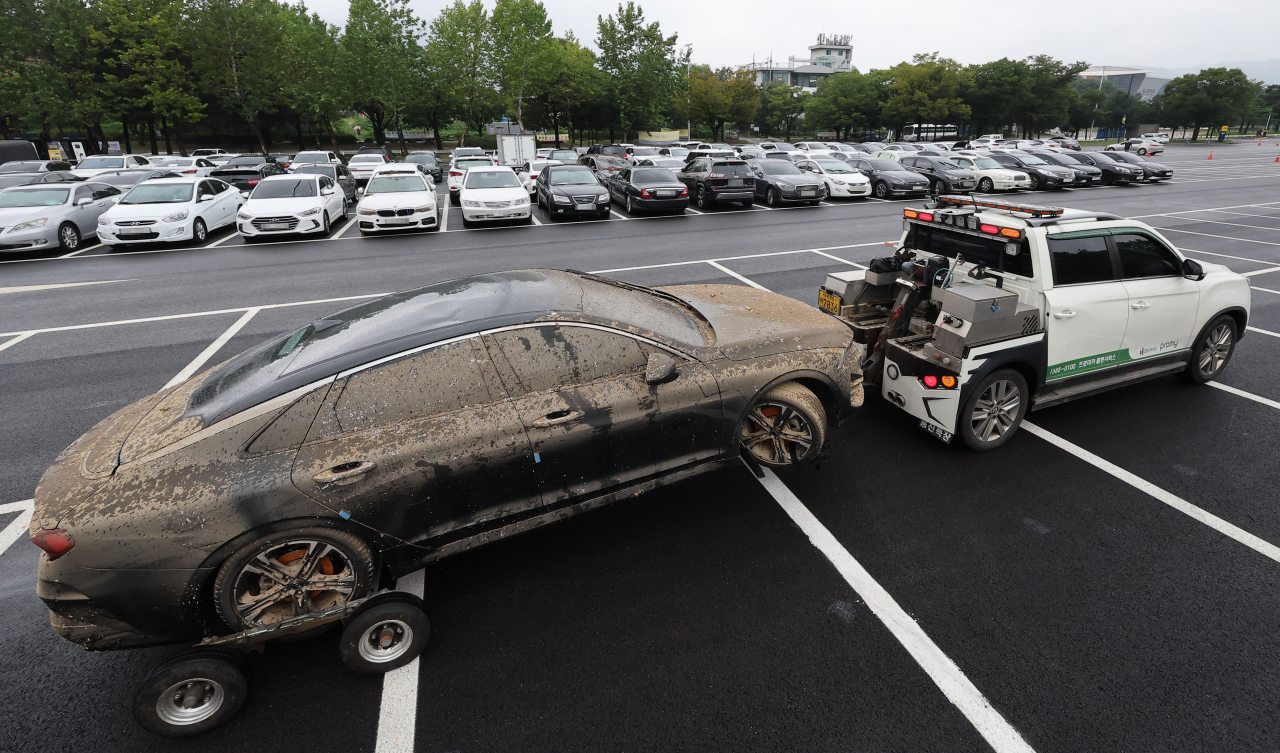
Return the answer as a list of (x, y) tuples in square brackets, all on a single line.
[(380, 46), (1210, 98), (927, 90), (438, 100), (66, 80), (567, 80), (234, 44), (1048, 93), (644, 72), (462, 35), (845, 103), (317, 86), (521, 37), (781, 108), (996, 93), (719, 97)]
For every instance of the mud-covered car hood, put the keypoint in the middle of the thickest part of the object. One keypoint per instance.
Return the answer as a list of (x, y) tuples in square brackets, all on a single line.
[(750, 323)]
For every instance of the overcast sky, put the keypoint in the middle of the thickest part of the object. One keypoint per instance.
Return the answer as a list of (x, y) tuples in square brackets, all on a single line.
[(1165, 33)]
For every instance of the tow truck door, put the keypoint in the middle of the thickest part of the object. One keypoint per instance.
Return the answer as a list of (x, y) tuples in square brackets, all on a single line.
[(1087, 307), (1162, 303)]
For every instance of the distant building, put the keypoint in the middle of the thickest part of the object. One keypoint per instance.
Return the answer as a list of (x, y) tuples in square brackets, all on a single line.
[(831, 54), (1137, 82)]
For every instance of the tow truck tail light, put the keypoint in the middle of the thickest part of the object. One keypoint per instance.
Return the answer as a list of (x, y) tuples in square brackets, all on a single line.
[(910, 213), (1009, 232), (990, 229), (930, 381), (948, 382), (55, 542), (926, 216)]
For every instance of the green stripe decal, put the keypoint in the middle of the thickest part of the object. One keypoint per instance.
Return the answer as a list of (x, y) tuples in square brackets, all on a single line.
[(1108, 360)]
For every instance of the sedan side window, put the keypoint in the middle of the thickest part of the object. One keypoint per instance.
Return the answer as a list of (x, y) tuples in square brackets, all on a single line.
[(1080, 260), (1144, 256), (439, 380), (83, 192), (102, 191), (550, 357)]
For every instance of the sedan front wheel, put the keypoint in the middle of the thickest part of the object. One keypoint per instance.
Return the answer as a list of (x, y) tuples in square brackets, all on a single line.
[(68, 237), (787, 426)]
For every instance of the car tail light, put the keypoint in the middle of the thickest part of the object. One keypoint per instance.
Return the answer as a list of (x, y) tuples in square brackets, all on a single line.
[(644, 194), (55, 542), (188, 172), (253, 182), (717, 175), (684, 191), (990, 229), (927, 217), (454, 174)]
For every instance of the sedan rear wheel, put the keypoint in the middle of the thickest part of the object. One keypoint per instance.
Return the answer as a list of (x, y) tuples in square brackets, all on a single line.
[(292, 573), (787, 426), (1142, 152), (631, 208)]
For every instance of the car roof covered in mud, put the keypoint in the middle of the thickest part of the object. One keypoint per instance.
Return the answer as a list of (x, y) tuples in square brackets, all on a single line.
[(402, 321)]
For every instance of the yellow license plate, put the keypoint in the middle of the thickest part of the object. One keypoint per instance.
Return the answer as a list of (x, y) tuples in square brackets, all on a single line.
[(829, 302)]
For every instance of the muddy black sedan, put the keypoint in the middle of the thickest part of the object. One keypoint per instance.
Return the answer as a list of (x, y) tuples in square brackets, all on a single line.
[(291, 477), (648, 189)]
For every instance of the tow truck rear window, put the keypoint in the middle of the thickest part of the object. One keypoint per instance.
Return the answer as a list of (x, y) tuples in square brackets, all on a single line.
[(942, 241)]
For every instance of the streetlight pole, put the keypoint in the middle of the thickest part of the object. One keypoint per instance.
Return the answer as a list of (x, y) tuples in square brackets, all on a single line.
[(688, 50)]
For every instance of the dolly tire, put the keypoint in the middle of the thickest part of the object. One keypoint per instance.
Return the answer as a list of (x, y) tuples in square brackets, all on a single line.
[(994, 410), (325, 565), (784, 427), (1212, 350), (191, 693), (387, 633)]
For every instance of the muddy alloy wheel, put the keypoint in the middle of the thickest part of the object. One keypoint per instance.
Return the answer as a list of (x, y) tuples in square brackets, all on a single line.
[(68, 237), (787, 426), (292, 573)]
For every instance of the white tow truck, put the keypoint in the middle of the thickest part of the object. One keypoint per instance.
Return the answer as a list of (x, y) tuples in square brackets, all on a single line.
[(988, 309)]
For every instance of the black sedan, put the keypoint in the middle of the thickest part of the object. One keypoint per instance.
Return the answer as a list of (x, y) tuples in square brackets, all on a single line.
[(1092, 176), (944, 175), (1152, 172), (646, 189), (781, 182), (1114, 173), (889, 178), (430, 162), (569, 190), (412, 427), (1040, 174), (245, 175)]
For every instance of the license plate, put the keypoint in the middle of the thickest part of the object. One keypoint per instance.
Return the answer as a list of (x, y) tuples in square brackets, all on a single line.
[(735, 183), (398, 222), (275, 226), (134, 231), (808, 192), (829, 302), (936, 431), (586, 206)]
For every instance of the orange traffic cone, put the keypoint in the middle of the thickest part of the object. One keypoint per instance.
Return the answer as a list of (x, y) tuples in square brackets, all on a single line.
[(1210, 155), (1278, 158)]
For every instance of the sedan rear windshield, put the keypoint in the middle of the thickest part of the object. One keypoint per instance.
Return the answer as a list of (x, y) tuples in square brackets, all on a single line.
[(564, 155), (284, 189), (424, 159), (573, 177), (312, 157), (97, 163), (159, 193), (367, 158), (312, 169), (396, 184), (494, 179), (39, 197), (20, 167), (467, 164), (779, 167), (247, 161), (730, 168), (653, 176)]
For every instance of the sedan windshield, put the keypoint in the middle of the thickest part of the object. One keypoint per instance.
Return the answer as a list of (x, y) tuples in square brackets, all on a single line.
[(986, 163), (1125, 157), (159, 193), (784, 146), (885, 164), (122, 179), (835, 166), (779, 167), (284, 189), (947, 164), (396, 184), (40, 197), (653, 176), (492, 179), (1031, 159), (20, 167), (467, 164), (564, 155), (97, 163), (573, 177), (327, 170)]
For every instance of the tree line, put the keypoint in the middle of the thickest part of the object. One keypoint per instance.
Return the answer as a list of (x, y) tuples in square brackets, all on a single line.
[(261, 71)]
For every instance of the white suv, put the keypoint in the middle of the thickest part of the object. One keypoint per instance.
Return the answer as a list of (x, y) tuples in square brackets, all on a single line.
[(1082, 302)]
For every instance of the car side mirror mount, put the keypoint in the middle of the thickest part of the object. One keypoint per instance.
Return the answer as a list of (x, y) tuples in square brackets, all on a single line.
[(326, 192), (206, 197), (84, 202), (1192, 270), (661, 369)]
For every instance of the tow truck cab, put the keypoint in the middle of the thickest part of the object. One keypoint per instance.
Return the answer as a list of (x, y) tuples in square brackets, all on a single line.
[(989, 309)]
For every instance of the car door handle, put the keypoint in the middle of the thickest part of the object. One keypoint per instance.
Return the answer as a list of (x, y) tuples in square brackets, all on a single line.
[(1139, 305), (558, 417), (1064, 314), (344, 471)]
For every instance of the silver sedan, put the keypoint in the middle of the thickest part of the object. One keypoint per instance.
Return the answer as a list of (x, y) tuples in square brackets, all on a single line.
[(52, 214)]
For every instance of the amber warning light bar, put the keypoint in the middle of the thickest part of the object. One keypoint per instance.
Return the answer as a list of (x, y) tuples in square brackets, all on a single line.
[(1032, 209), (1007, 232)]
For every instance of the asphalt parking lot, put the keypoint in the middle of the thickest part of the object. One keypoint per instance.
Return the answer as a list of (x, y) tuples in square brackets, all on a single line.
[(1106, 581)]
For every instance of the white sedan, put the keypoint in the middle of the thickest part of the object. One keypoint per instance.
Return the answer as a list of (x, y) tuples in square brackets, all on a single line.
[(534, 168), (458, 170), (362, 166), (398, 198), (297, 203), (1140, 147), (992, 176), (196, 166), (162, 210), (91, 166), (839, 179), (494, 193)]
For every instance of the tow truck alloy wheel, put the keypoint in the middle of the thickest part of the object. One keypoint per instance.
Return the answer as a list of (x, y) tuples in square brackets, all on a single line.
[(1212, 350), (994, 411)]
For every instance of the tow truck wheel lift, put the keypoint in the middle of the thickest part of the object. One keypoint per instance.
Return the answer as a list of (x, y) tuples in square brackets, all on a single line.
[(202, 687)]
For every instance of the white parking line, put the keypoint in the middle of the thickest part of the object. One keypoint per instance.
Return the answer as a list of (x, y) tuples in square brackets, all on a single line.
[(619, 216), (534, 216), (1265, 290), (79, 251), (232, 234), (18, 525), (1206, 209), (1261, 272), (20, 337), (1261, 332), (1248, 395), (735, 258), (735, 275), (213, 348), (953, 683), (398, 715), (1246, 214), (1225, 256), (1210, 235), (1177, 503), (33, 288), (1216, 222)]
